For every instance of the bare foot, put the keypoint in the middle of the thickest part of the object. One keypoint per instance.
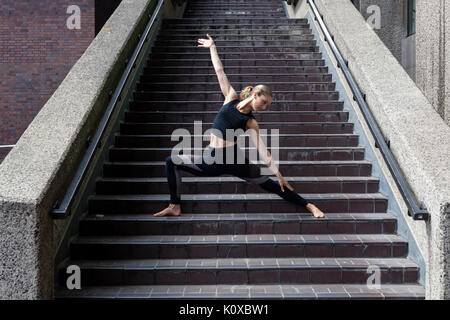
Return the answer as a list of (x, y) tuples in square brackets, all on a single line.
[(171, 210), (315, 211)]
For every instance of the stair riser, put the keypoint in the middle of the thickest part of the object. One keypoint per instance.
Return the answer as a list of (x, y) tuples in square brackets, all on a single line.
[(196, 33), (222, 14), (241, 50), (299, 128), (116, 276), (228, 56), (263, 78), (237, 86), (243, 27), (142, 117), (123, 187), (215, 96), (309, 71), (238, 206), (199, 251), (192, 43), (235, 21), (310, 170), (304, 141), (234, 63), (289, 155), (253, 37), (146, 227), (319, 106)]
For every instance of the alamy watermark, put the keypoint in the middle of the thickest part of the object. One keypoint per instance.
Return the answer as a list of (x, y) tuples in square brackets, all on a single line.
[(74, 280), (374, 20), (374, 280), (74, 20)]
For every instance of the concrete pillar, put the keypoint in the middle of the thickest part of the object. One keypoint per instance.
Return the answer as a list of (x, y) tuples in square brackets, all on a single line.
[(432, 53)]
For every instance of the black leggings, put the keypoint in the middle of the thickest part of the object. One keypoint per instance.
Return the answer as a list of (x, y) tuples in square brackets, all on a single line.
[(201, 165)]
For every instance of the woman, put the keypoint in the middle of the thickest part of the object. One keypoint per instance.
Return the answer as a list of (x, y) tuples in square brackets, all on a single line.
[(238, 114)]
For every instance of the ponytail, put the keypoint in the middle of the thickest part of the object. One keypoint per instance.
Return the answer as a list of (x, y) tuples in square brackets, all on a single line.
[(246, 92), (260, 89)]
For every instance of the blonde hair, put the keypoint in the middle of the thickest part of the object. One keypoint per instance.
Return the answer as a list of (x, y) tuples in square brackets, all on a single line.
[(260, 89)]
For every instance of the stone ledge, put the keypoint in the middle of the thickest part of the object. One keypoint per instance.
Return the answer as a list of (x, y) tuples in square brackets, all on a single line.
[(416, 131)]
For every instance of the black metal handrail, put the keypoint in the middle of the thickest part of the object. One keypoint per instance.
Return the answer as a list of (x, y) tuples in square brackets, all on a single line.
[(414, 210), (63, 210)]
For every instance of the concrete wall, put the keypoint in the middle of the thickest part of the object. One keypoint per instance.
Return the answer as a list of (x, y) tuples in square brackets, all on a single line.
[(420, 147), (393, 25), (433, 53), (37, 171)]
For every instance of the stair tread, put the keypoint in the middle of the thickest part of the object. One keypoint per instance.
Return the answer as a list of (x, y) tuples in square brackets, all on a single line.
[(248, 196), (291, 291), (245, 148), (281, 162), (259, 112), (285, 217), (260, 263), (284, 123), (244, 239), (277, 291), (236, 179), (221, 101), (311, 135)]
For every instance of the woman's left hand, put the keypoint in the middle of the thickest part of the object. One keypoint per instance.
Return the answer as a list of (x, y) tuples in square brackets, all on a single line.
[(283, 182)]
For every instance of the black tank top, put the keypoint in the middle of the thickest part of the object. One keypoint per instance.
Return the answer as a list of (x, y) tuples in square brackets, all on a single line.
[(229, 117)]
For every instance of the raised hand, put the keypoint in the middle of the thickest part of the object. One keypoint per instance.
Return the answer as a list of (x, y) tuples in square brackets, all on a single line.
[(206, 43)]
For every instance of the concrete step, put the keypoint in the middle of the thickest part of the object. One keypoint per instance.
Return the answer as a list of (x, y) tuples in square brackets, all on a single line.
[(238, 86), (282, 70), (285, 153), (199, 55), (238, 62), (283, 128), (248, 292), (291, 49), (286, 140), (238, 37), (227, 43), (245, 77), (233, 25), (238, 223), (214, 95), (238, 246), (224, 14), (201, 32), (241, 271), (288, 168), (261, 116), (142, 105), (230, 184), (239, 203), (235, 20)]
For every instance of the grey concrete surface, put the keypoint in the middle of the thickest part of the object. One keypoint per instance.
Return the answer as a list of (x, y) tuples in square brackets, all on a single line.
[(419, 137), (433, 53)]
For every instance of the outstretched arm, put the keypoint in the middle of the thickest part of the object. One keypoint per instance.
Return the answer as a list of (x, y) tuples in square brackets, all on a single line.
[(265, 154), (227, 90)]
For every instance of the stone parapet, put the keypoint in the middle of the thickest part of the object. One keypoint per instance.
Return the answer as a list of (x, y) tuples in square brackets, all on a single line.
[(418, 135)]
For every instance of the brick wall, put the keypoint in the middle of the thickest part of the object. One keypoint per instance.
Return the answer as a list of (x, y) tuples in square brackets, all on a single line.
[(37, 50)]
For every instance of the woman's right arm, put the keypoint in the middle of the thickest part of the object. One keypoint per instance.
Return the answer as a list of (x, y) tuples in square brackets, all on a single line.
[(227, 90)]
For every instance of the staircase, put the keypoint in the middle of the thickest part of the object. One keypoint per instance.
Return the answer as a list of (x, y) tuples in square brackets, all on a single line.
[(233, 239)]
